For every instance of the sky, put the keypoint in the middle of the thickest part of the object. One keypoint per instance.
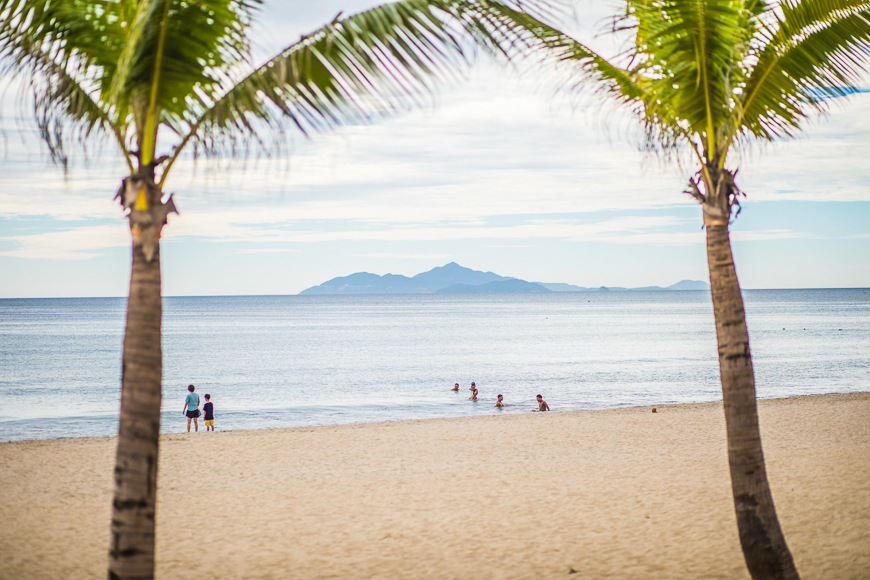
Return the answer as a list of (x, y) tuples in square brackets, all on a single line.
[(499, 173)]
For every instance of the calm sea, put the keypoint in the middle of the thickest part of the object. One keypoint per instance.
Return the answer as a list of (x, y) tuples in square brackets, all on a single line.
[(276, 361)]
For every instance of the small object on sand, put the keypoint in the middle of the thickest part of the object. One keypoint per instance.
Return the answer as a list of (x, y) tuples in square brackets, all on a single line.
[(654, 410), (572, 571)]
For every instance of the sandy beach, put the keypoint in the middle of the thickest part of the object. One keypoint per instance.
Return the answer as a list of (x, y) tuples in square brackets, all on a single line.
[(590, 494)]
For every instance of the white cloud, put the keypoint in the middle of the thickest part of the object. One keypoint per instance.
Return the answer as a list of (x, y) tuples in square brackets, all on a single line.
[(266, 251), (89, 241), (72, 244), (403, 256), (259, 226), (45, 195), (650, 238), (763, 235)]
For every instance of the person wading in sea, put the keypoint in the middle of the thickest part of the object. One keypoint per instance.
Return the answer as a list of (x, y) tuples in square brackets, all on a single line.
[(542, 404)]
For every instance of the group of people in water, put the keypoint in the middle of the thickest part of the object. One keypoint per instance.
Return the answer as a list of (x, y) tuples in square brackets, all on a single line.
[(191, 406), (542, 404)]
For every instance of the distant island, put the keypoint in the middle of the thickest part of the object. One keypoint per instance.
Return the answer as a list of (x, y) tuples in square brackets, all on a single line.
[(454, 279)]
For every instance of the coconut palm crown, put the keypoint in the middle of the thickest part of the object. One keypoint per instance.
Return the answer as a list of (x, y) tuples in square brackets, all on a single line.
[(707, 78), (714, 76), (163, 77)]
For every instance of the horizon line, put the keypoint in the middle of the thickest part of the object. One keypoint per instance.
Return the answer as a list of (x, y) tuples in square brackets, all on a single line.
[(594, 289)]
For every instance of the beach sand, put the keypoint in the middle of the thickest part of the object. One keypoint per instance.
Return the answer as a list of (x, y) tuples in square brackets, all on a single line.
[(621, 494)]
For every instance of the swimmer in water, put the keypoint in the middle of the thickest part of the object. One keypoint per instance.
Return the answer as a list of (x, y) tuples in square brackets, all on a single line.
[(542, 404), (500, 402), (455, 387), (473, 396)]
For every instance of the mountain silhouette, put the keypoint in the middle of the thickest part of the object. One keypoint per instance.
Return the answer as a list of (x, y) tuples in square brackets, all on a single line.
[(453, 278), (453, 273)]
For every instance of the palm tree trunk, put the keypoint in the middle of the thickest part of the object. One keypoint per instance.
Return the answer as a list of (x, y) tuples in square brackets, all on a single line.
[(131, 555), (767, 555)]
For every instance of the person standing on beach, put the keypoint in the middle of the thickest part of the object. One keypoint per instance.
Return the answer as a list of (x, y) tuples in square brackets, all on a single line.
[(500, 401), (542, 404), (191, 402), (208, 411), (455, 387)]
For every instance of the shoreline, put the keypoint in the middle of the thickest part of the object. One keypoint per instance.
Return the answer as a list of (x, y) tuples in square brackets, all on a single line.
[(613, 493), (389, 421)]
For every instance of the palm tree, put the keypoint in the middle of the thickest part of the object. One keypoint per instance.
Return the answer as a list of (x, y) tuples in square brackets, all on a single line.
[(148, 73), (707, 78)]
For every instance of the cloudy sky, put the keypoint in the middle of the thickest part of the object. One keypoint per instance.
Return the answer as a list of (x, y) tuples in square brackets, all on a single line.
[(499, 173)]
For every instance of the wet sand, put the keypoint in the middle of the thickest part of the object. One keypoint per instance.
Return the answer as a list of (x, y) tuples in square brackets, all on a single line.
[(621, 494)]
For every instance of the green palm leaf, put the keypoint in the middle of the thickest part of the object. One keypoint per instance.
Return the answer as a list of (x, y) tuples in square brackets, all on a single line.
[(137, 18), (361, 67), (815, 45), (185, 66), (59, 97), (690, 52), (707, 73)]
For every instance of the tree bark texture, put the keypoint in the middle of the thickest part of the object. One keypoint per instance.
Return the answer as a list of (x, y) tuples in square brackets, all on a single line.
[(131, 554), (767, 555)]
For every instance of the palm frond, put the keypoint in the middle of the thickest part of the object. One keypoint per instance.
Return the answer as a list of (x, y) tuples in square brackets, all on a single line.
[(823, 45), (140, 15), (362, 67), (691, 51), (29, 36), (204, 38), (585, 68)]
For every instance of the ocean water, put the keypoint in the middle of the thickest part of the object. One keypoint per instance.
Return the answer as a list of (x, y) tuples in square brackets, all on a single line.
[(276, 361)]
